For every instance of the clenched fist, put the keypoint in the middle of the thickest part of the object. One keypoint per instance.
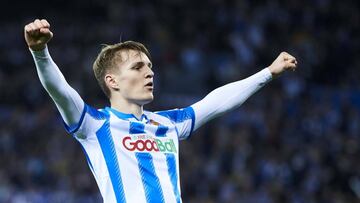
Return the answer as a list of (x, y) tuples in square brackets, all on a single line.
[(283, 62), (37, 34)]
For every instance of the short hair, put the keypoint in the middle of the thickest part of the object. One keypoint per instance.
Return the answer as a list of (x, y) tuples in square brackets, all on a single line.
[(108, 58)]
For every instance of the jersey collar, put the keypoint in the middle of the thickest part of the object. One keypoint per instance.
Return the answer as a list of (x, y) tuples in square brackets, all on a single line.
[(126, 116)]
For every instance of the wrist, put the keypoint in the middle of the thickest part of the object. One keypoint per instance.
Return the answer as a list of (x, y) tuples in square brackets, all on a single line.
[(273, 72), (37, 47), (44, 53), (267, 73)]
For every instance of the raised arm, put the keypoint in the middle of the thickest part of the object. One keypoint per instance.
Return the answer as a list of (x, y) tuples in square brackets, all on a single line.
[(68, 101), (230, 96)]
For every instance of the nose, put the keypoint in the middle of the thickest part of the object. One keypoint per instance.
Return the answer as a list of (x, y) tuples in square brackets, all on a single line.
[(149, 73)]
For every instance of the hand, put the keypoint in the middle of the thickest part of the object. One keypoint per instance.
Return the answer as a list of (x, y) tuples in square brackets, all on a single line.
[(37, 34), (282, 63)]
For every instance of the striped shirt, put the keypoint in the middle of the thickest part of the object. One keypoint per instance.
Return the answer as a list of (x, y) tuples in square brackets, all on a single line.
[(137, 160), (134, 160)]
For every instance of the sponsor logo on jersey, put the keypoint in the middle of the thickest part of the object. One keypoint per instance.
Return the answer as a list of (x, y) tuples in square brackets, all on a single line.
[(146, 143)]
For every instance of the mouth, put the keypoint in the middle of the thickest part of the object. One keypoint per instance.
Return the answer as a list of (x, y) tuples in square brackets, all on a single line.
[(149, 85)]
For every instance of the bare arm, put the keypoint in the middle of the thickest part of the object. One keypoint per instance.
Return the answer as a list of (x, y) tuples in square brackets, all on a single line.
[(68, 101)]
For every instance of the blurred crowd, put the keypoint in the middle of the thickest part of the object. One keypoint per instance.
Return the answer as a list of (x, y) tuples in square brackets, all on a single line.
[(296, 140)]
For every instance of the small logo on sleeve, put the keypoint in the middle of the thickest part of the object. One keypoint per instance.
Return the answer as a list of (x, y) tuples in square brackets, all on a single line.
[(144, 143)]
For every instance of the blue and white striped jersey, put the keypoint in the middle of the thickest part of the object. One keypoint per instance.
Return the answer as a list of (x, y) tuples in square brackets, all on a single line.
[(137, 160), (134, 160)]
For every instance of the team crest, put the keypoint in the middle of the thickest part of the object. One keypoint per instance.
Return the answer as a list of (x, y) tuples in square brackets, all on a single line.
[(154, 122)]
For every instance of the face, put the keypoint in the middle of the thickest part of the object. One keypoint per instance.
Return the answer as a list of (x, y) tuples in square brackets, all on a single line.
[(134, 78)]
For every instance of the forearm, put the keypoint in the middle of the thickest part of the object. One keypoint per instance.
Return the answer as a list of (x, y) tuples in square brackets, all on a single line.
[(228, 97), (67, 100)]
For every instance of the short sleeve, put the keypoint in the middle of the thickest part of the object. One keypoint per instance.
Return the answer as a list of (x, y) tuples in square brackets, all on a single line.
[(91, 119), (184, 120)]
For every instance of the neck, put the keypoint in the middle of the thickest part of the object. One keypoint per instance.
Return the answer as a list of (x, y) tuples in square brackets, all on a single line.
[(128, 107)]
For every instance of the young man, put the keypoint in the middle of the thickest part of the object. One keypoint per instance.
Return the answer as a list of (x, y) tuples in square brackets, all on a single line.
[(132, 153)]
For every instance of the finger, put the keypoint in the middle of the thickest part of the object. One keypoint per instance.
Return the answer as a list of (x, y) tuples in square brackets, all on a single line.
[(36, 29), (291, 66), (27, 28), (290, 56), (45, 23), (44, 31), (38, 23), (32, 28), (284, 53), (286, 56), (291, 60), (47, 32)]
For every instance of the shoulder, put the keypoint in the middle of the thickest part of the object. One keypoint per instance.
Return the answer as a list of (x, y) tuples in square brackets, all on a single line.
[(154, 116), (177, 115), (91, 119), (98, 114)]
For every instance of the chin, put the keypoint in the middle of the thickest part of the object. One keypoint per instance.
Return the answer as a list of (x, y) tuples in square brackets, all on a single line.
[(146, 100)]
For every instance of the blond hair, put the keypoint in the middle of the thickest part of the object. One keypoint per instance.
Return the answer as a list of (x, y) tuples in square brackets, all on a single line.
[(108, 58)]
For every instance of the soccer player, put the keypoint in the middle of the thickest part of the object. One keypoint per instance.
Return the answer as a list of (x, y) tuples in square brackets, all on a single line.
[(132, 153)]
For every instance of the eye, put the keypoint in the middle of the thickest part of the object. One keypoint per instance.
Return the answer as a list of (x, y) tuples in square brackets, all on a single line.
[(137, 67)]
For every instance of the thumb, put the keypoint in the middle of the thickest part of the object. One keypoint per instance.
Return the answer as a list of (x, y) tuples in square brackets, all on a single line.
[(290, 65)]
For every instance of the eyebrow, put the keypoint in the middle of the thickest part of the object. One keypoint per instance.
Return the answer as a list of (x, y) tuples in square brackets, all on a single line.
[(141, 63)]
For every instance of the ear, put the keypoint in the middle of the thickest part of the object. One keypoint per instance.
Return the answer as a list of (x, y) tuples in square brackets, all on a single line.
[(111, 82)]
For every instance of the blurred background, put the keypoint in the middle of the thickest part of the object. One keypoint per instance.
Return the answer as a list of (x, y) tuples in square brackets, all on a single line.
[(296, 140)]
